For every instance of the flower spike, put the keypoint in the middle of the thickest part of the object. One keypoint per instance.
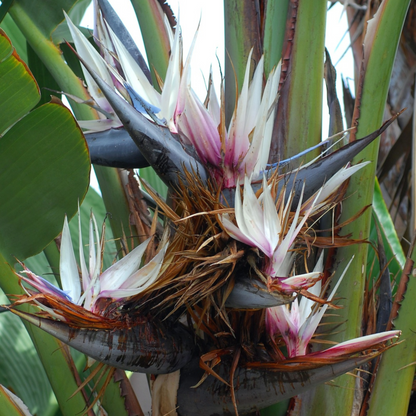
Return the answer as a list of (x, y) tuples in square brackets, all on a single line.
[(157, 144)]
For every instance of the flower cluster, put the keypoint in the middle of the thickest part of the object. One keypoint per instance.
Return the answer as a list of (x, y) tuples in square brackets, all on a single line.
[(230, 154), (85, 286), (263, 225), (234, 156)]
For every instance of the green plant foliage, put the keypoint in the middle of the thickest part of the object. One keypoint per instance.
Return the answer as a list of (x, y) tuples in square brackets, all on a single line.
[(50, 17), (47, 172), (19, 91), (391, 242), (17, 355), (44, 158)]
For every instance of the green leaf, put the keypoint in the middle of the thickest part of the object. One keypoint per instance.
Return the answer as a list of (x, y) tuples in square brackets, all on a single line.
[(43, 76), (49, 351), (110, 180), (17, 355), (10, 404), (15, 35), (45, 169), (4, 8), (19, 91), (379, 62), (51, 56), (38, 155), (392, 246), (155, 37), (299, 111), (242, 33), (274, 33), (50, 17), (278, 409), (393, 384), (72, 60), (46, 172)]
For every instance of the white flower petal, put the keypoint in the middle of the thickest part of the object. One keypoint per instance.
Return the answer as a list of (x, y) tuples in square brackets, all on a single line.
[(118, 273), (68, 265), (332, 184), (238, 142), (305, 305), (235, 232), (272, 226), (172, 83), (196, 124), (309, 327), (254, 98), (264, 128), (96, 62), (84, 271), (134, 74)]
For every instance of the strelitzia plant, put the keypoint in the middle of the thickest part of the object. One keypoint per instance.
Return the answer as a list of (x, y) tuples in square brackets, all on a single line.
[(242, 226)]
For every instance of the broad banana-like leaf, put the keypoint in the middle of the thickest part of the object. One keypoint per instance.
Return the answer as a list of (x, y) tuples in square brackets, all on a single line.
[(38, 154)]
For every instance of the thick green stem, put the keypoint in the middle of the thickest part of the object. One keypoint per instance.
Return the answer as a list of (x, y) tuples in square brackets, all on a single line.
[(379, 62), (242, 33), (298, 120), (155, 36), (274, 32)]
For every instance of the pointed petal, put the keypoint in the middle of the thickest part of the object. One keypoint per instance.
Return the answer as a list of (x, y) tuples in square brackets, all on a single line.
[(196, 124), (41, 284), (305, 304), (282, 249), (213, 103), (95, 61), (309, 328), (172, 83), (68, 266), (251, 219), (134, 75), (272, 225), (235, 232), (264, 128), (99, 125), (120, 30), (140, 280), (336, 180), (148, 274), (119, 272), (156, 143), (238, 142), (357, 344), (84, 271)]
